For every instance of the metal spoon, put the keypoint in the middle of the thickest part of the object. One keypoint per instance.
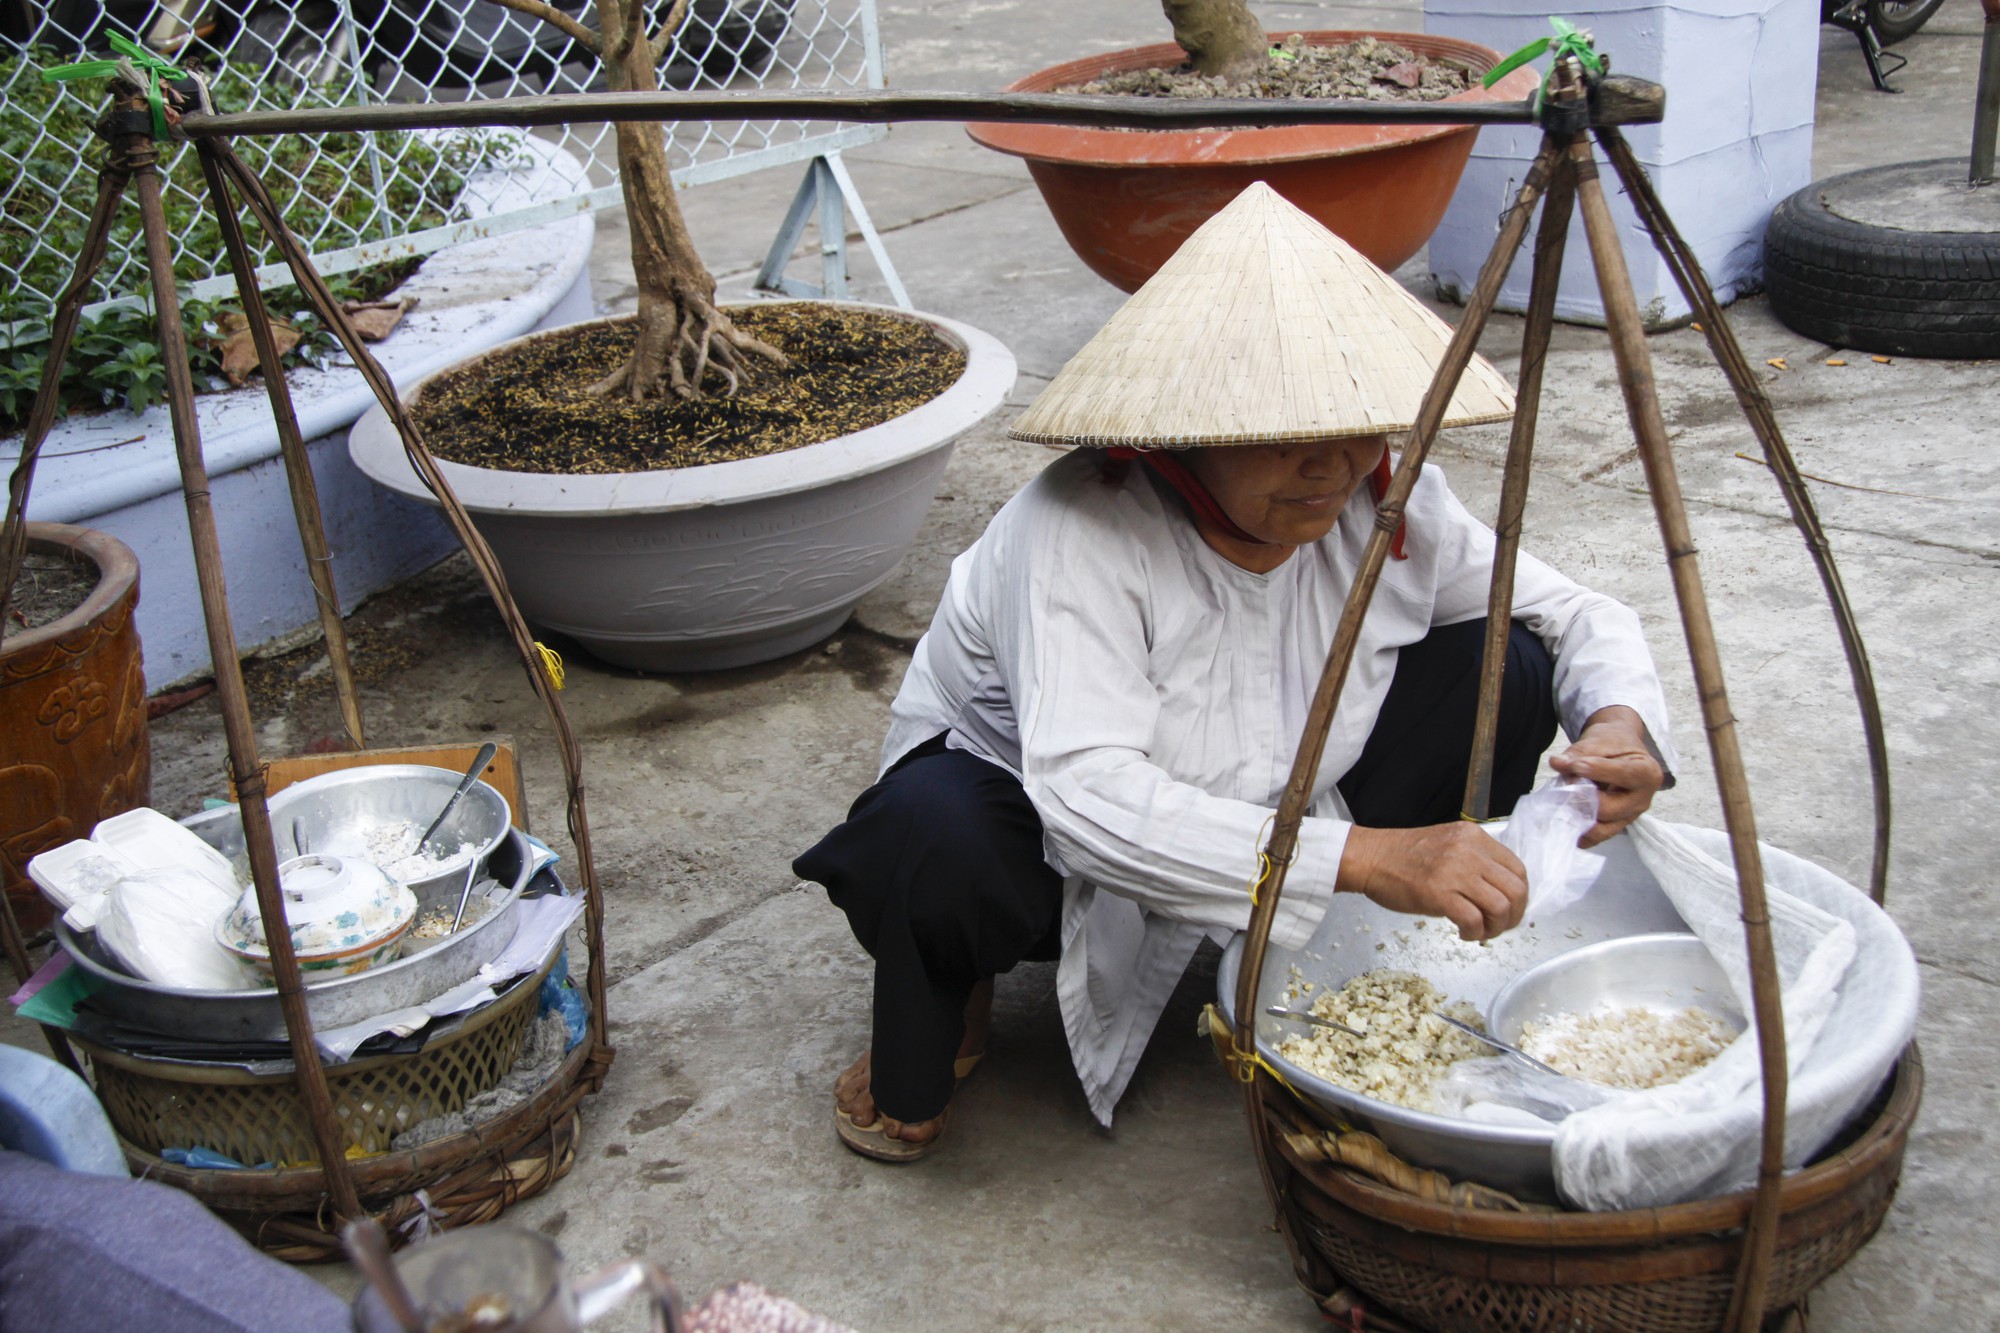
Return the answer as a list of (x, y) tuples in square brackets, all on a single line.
[(486, 753), (1500, 1045), (1301, 1016)]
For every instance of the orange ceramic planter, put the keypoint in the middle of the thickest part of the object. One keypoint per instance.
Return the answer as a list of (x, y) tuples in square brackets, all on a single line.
[(1126, 199), (73, 746)]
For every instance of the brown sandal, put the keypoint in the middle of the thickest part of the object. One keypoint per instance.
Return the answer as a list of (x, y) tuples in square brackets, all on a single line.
[(873, 1141)]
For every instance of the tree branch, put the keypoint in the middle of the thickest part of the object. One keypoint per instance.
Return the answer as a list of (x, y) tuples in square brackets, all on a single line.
[(669, 25), (549, 14)]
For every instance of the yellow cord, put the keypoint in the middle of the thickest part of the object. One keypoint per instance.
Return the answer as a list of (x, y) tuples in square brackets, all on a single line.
[(551, 662)]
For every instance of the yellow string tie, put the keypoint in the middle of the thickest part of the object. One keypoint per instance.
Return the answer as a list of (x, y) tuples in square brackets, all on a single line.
[(551, 662), (1261, 874)]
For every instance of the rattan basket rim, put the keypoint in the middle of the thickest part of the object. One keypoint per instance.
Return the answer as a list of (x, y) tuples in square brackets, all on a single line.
[(1877, 1145), (220, 1075)]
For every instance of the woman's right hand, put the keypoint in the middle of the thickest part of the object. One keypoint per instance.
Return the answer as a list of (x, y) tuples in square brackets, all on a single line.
[(1456, 871)]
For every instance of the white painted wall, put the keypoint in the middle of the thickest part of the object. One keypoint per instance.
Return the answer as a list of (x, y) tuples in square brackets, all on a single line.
[(1740, 78)]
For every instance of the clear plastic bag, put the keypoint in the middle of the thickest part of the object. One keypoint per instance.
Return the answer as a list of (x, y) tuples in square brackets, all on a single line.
[(1543, 832)]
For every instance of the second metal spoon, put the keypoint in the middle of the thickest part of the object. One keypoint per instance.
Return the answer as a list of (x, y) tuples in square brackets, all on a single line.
[(1500, 1045)]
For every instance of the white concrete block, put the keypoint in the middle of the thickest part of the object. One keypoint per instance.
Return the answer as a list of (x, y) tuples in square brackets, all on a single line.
[(1740, 78)]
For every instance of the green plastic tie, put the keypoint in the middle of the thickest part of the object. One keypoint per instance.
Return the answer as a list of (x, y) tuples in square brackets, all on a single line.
[(154, 67), (1568, 41)]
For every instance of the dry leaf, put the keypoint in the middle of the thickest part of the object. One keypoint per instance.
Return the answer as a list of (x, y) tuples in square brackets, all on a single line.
[(239, 349), (1836, 361), (1778, 362), (1406, 75), (1879, 360), (375, 320)]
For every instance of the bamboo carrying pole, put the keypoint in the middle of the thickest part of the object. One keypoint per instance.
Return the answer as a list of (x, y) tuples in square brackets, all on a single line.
[(1649, 428), (141, 159), (321, 299), (111, 181), (298, 468), (1617, 101), (1326, 697), (1756, 405), (1549, 244)]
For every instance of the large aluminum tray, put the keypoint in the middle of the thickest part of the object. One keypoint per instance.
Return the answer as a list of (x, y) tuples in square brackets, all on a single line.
[(255, 1015), (1357, 936)]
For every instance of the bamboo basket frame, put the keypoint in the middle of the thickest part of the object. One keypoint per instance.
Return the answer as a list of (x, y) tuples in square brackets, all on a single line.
[(1564, 169)]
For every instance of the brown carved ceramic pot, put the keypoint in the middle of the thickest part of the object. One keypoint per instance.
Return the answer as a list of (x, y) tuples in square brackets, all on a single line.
[(1126, 199), (72, 716)]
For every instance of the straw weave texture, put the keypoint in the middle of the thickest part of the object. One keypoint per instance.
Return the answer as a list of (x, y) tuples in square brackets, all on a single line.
[(1263, 327)]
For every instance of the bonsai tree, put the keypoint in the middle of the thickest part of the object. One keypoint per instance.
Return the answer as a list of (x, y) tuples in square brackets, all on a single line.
[(686, 344), (685, 341), (1222, 37)]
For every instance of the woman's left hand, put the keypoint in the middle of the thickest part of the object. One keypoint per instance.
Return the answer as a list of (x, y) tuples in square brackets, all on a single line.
[(1612, 752)]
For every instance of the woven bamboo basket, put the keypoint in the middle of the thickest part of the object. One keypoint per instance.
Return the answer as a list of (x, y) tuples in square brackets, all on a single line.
[(258, 1118), (1663, 1270)]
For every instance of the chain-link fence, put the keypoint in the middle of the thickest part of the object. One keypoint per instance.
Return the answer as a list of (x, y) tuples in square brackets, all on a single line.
[(363, 199)]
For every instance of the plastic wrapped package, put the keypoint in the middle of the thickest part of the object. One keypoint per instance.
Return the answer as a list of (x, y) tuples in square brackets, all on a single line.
[(1848, 984), (160, 926), (154, 842)]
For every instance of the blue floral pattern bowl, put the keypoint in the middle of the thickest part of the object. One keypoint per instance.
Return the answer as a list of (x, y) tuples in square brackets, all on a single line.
[(345, 914)]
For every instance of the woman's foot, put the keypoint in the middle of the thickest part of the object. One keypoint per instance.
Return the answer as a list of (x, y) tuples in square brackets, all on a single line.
[(867, 1131)]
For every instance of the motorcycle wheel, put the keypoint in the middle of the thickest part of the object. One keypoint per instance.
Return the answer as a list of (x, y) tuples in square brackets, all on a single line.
[(1893, 20), (299, 47)]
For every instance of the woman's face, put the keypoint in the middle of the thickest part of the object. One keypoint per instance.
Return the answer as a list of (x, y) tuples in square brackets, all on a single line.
[(1285, 494)]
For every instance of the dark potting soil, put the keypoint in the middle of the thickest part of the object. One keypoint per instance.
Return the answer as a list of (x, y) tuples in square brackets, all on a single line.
[(1370, 69), (527, 409), (48, 588)]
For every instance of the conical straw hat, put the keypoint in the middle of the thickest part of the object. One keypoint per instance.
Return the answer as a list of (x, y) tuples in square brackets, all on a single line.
[(1264, 326)]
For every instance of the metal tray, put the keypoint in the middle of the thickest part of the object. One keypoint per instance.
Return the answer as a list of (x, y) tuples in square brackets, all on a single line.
[(255, 1015), (1357, 936)]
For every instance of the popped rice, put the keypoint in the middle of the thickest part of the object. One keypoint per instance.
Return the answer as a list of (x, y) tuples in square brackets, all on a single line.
[(1406, 1049), (1628, 1048)]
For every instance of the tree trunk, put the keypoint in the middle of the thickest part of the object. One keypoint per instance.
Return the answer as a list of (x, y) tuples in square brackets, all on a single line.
[(684, 341), (1222, 37)]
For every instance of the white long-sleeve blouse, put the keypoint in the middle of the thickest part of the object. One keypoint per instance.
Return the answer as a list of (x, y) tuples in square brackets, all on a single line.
[(1150, 695)]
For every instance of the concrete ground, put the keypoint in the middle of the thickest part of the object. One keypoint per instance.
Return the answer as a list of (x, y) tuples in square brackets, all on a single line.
[(738, 993)]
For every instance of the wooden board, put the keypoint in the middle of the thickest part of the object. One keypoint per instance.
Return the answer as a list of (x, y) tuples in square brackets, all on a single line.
[(503, 774)]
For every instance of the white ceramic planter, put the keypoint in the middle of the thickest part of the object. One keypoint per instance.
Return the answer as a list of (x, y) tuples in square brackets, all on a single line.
[(698, 569), (118, 473)]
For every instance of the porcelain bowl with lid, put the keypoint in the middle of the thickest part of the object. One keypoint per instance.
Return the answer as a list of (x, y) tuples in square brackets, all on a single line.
[(346, 915)]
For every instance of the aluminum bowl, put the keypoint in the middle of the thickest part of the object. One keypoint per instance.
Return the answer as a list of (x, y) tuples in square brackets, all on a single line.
[(337, 811), (1663, 972), (255, 1015)]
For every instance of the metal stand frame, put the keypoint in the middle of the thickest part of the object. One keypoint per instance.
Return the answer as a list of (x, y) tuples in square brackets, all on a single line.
[(827, 192)]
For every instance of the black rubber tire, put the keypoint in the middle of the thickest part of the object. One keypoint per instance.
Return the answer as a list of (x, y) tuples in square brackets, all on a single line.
[(1881, 289), (1893, 20)]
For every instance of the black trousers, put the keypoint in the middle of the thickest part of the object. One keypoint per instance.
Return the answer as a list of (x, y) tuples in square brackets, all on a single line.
[(939, 865)]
